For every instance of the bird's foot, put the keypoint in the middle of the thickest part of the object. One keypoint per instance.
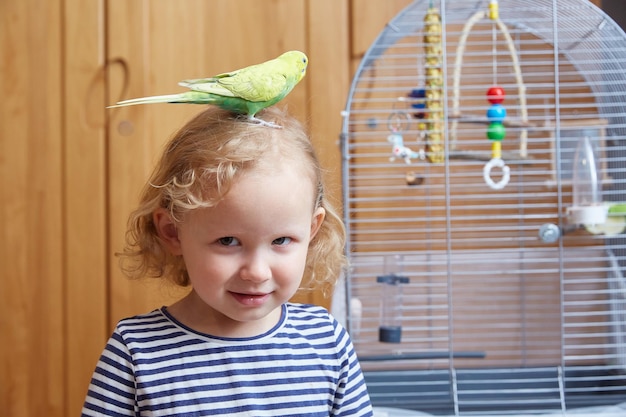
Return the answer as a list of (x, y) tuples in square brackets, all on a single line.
[(261, 122)]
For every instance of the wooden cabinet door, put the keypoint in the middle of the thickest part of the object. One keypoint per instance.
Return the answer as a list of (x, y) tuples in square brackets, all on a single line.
[(32, 365)]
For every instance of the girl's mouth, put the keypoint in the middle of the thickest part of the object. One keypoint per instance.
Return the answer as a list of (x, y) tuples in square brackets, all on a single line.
[(250, 300)]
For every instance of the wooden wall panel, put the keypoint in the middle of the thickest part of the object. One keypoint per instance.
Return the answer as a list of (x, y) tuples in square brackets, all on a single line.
[(367, 19), (32, 370), (327, 83), (135, 134), (85, 196)]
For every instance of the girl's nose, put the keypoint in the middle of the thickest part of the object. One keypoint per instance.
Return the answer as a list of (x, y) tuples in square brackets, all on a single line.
[(256, 267)]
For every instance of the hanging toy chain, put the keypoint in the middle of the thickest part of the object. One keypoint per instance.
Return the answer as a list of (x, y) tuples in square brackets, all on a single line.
[(434, 97), (496, 133)]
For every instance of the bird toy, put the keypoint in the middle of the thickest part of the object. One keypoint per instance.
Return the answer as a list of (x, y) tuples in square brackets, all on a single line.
[(495, 117), (434, 85), (244, 91), (496, 132), (398, 150), (492, 14)]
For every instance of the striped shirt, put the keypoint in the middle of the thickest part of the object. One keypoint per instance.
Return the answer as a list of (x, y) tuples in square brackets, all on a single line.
[(155, 366)]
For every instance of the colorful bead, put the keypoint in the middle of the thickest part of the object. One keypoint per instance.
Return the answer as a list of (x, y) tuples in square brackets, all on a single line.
[(495, 95), (420, 106), (496, 113), (496, 131)]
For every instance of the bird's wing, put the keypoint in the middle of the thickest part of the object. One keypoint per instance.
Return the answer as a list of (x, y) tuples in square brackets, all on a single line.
[(261, 82), (255, 85), (210, 85), (197, 81)]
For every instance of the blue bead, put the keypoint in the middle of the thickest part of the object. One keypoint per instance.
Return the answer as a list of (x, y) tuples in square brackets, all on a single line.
[(417, 93), (496, 113)]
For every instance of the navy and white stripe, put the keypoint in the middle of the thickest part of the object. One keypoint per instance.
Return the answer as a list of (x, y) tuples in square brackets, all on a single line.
[(155, 366)]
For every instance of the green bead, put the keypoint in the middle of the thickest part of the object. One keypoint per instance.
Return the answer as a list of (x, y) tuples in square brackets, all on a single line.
[(496, 131)]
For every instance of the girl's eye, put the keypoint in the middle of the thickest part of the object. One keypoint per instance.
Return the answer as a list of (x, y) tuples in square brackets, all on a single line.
[(281, 241), (228, 241)]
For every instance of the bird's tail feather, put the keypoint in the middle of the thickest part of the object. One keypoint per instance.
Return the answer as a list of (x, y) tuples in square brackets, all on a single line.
[(168, 98)]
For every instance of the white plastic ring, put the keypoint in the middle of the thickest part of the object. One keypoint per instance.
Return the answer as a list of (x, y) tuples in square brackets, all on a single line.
[(506, 174)]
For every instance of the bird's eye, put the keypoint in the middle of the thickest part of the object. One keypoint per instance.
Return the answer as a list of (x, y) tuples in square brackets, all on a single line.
[(304, 60)]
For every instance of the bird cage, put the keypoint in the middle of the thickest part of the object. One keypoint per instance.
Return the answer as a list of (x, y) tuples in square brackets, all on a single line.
[(484, 156)]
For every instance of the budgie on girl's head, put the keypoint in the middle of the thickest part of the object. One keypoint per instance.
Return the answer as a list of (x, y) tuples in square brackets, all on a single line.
[(244, 91)]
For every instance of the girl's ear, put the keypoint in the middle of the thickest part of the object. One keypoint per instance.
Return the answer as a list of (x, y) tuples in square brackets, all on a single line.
[(167, 231), (317, 220)]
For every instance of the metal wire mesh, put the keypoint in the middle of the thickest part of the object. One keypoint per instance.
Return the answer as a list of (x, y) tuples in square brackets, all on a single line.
[(487, 297)]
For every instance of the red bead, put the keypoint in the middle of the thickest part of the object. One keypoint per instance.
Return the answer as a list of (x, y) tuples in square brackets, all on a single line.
[(495, 95)]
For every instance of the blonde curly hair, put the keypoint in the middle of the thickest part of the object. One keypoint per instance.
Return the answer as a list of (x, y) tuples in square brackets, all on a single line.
[(198, 167)]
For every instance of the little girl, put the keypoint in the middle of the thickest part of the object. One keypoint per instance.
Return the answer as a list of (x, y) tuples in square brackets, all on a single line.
[(237, 212)]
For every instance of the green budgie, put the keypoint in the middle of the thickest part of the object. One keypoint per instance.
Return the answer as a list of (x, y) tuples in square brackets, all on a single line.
[(244, 91)]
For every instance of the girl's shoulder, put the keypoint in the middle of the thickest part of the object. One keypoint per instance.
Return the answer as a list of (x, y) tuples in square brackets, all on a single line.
[(317, 327), (309, 315), (308, 311), (306, 308), (152, 321)]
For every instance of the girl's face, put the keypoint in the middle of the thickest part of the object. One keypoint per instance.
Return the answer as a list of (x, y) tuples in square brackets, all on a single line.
[(246, 256)]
